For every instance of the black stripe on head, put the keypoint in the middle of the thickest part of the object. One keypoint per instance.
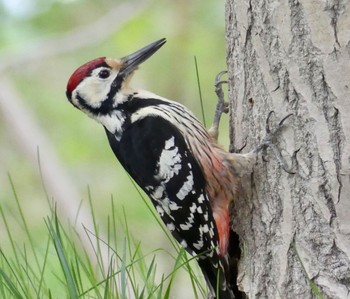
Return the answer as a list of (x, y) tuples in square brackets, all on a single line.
[(115, 87), (105, 108)]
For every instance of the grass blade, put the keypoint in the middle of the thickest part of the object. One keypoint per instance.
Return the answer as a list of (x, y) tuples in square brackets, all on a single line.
[(11, 286), (199, 90), (56, 237), (26, 227)]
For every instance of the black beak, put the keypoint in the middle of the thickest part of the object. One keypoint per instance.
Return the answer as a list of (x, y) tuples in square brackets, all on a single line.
[(132, 61)]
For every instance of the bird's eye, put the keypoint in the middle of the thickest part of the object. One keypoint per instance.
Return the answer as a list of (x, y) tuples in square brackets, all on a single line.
[(104, 74)]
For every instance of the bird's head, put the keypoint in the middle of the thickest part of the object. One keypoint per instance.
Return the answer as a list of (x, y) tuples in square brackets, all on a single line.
[(94, 85)]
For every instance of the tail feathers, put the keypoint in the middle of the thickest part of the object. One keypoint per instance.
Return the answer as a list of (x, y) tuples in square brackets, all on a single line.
[(226, 294), (216, 279)]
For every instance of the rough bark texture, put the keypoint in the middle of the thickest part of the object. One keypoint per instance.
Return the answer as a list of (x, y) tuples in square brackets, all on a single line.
[(292, 57)]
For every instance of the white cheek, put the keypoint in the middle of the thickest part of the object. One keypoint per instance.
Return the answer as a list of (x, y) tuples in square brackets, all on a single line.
[(94, 91)]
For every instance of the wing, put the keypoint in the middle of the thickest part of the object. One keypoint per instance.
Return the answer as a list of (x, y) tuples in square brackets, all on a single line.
[(157, 157)]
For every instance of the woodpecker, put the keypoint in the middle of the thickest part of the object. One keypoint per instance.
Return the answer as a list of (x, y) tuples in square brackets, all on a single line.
[(189, 178)]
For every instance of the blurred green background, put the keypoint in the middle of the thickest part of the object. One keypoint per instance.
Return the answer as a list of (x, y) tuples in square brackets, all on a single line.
[(41, 43)]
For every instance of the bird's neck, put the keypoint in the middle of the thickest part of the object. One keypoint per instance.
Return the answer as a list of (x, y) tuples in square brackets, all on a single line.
[(115, 120)]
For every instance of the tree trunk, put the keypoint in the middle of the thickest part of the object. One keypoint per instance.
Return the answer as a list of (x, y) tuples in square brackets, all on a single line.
[(294, 229)]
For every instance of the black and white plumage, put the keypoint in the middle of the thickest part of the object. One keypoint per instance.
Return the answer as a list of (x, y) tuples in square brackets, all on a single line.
[(166, 170), (170, 155)]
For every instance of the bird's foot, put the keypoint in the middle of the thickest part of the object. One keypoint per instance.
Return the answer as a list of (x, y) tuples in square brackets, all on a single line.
[(221, 106), (269, 142)]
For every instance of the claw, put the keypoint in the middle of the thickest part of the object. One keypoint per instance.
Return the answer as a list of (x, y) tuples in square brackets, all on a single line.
[(268, 142), (283, 119), (268, 121), (242, 148), (221, 106), (280, 124), (218, 77)]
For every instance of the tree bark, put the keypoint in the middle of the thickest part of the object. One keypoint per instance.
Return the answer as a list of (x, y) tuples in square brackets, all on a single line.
[(292, 57)]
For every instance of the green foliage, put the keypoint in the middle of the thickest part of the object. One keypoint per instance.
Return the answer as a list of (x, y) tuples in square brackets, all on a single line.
[(65, 268)]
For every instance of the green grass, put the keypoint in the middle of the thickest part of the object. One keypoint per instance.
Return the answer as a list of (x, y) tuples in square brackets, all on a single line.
[(58, 265)]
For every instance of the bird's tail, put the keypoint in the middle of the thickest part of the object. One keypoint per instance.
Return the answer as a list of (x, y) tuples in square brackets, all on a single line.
[(217, 279)]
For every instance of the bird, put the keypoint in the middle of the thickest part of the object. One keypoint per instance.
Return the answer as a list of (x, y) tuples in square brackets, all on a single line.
[(176, 161)]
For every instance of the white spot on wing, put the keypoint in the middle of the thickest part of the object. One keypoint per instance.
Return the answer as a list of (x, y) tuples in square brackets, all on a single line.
[(201, 198), (173, 206), (210, 254), (169, 143), (186, 187), (185, 226), (211, 232), (158, 193), (204, 228), (160, 210), (193, 207), (169, 163), (206, 216), (171, 226), (199, 244), (183, 243)]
